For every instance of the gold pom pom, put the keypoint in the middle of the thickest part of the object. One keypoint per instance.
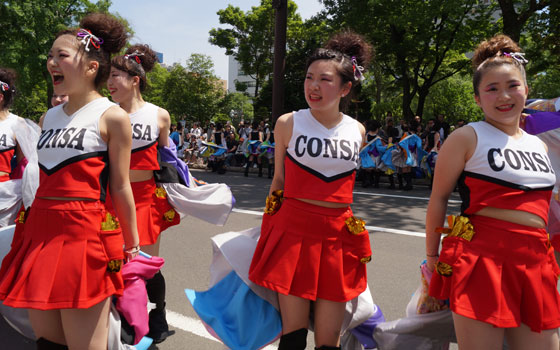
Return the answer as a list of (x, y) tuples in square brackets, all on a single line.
[(444, 269), (460, 226), (160, 192), (273, 202), (114, 265), (21, 217), (110, 224), (355, 225), (169, 215), (365, 260)]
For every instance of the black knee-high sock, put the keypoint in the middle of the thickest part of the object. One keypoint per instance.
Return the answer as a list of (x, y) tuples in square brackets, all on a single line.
[(324, 347), (44, 344), (296, 340), (156, 294)]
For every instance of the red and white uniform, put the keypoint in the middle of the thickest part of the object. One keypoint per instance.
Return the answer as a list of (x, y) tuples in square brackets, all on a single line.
[(303, 246), (145, 134), (507, 173), (64, 256), (72, 145), (7, 144), (506, 275), (154, 214), (320, 163)]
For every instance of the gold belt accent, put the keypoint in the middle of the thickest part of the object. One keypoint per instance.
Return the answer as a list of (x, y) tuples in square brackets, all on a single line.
[(460, 226)]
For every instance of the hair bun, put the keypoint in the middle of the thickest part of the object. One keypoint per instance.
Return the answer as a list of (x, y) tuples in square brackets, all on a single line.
[(108, 28), (491, 47), (147, 58), (352, 45)]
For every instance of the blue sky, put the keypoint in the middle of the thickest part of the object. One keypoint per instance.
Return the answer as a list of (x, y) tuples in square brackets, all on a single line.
[(179, 28)]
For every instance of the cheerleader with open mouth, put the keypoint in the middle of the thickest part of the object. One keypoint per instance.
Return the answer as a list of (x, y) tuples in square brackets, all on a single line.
[(65, 267)]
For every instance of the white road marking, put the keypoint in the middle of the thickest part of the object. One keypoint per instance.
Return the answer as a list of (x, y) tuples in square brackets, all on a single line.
[(369, 228), (453, 201), (195, 326)]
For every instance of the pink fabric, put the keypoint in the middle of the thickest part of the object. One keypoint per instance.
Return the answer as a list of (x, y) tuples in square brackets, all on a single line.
[(133, 303), (17, 172)]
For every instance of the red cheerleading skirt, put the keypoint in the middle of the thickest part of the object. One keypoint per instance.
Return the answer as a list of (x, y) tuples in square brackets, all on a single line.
[(5, 177), (307, 251), (154, 214), (506, 275), (60, 257)]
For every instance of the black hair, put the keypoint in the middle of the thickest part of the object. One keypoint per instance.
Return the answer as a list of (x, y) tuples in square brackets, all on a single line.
[(107, 28), (8, 77), (138, 60), (495, 52), (343, 48)]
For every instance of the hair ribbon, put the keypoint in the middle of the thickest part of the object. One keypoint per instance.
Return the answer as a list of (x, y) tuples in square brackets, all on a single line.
[(518, 56), (136, 56), (358, 70), (89, 38), (4, 86)]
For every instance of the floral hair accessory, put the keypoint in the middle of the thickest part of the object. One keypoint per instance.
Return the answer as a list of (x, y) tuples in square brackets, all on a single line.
[(89, 38), (357, 69), (4, 86), (518, 56), (136, 55)]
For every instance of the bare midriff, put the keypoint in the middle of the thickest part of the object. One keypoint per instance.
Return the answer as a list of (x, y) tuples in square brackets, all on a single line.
[(140, 175), (3, 173), (323, 203), (514, 216)]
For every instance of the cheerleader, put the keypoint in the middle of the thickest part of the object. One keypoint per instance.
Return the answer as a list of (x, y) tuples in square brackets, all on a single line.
[(150, 130), (312, 250), (8, 142), (66, 265), (496, 265), (253, 142)]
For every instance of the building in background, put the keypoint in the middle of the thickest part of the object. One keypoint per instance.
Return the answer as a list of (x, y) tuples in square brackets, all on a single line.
[(236, 75), (159, 56)]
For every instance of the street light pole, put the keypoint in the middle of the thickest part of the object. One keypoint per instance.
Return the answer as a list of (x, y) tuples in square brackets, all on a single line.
[(280, 26)]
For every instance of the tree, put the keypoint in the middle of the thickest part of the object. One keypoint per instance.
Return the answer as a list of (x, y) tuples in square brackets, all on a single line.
[(194, 91), (238, 106), (419, 43), (156, 82), (516, 14), (28, 30), (251, 37)]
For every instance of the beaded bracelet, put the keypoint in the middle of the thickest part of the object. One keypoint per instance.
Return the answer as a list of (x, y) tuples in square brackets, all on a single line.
[(132, 250)]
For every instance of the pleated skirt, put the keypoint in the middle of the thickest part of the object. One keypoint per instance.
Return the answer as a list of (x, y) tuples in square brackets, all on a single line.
[(154, 214), (506, 275), (308, 251), (60, 257)]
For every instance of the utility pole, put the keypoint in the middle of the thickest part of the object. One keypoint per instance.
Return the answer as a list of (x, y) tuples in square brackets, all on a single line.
[(280, 26)]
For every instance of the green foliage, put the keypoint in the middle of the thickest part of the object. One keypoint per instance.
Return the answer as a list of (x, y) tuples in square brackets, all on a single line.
[(419, 43), (156, 82), (193, 92), (28, 28), (237, 106), (454, 98)]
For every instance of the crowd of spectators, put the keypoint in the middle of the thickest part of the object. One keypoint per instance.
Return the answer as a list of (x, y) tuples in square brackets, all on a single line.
[(191, 142)]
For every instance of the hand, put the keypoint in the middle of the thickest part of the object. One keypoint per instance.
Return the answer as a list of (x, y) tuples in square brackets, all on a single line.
[(431, 262), (131, 253)]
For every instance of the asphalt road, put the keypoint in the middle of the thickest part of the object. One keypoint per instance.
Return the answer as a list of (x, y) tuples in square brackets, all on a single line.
[(393, 274)]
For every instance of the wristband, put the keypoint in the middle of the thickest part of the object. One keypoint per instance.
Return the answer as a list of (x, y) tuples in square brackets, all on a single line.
[(432, 256)]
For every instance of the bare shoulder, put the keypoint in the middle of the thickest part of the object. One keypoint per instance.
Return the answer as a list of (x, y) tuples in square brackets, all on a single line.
[(461, 141), (284, 122), (163, 114)]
